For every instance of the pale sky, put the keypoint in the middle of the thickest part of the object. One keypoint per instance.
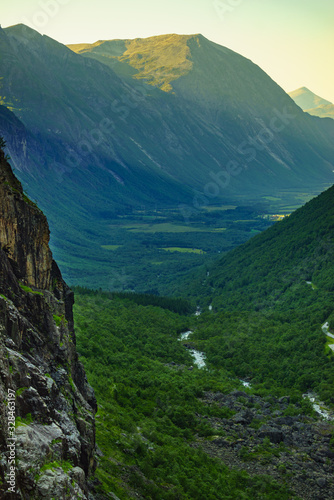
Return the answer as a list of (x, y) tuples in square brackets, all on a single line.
[(292, 40)]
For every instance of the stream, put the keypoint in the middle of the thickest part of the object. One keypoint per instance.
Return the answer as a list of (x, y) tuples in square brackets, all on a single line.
[(199, 357), (199, 360), (327, 415), (325, 329)]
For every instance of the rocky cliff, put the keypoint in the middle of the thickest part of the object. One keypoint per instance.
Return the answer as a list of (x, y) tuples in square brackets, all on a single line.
[(42, 384)]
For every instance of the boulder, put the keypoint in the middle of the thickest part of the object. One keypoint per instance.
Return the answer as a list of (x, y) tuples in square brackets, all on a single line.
[(274, 434)]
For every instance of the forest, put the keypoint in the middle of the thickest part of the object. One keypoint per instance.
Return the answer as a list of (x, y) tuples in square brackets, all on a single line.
[(155, 418), (163, 419)]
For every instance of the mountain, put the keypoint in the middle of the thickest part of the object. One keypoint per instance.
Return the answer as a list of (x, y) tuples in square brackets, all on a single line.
[(158, 60), (42, 382), (171, 121), (279, 268), (307, 99), (312, 103)]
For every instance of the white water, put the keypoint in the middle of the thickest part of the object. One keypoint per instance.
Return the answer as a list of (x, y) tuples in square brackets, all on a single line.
[(316, 405), (199, 357), (325, 329), (312, 397), (185, 335)]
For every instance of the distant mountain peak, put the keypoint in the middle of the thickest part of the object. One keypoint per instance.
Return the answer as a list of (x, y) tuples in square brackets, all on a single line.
[(303, 89), (312, 103)]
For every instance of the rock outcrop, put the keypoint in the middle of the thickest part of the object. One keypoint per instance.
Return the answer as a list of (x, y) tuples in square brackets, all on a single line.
[(42, 384)]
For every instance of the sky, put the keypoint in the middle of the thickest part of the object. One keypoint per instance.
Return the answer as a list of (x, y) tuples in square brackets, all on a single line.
[(291, 40)]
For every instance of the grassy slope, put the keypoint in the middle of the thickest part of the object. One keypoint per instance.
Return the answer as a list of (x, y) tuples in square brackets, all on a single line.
[(158, 60)]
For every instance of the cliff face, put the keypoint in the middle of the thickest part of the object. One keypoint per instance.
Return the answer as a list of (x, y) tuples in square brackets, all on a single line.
[(42, 383), (24, 233)]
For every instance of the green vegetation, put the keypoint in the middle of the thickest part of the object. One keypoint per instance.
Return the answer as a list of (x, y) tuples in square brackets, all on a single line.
[(265, 325), (59, 320), (271, 269), (159, 60), (29, 290), (280, 352), (177, 305), (27, 420), (19, 391), (65, 465), (30, 202), (166, 227), (150, 412), (183, 250), (132, 265), (267, 320)]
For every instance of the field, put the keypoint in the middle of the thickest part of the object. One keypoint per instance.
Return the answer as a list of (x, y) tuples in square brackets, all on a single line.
[(157, 250), (184, 250), (165, 227)]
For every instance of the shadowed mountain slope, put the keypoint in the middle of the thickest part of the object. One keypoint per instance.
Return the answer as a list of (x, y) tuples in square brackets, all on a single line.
[(289, 263), (101, 138)]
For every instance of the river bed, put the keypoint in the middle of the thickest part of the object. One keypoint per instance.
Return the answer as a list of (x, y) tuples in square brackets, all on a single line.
[(318, 406), (199, 360), (199, 357)]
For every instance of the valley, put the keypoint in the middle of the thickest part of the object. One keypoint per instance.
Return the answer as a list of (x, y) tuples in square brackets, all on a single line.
[(153, 251), (156, 250), (191, 211), (260, 321), (170, 123), (167, 421)]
